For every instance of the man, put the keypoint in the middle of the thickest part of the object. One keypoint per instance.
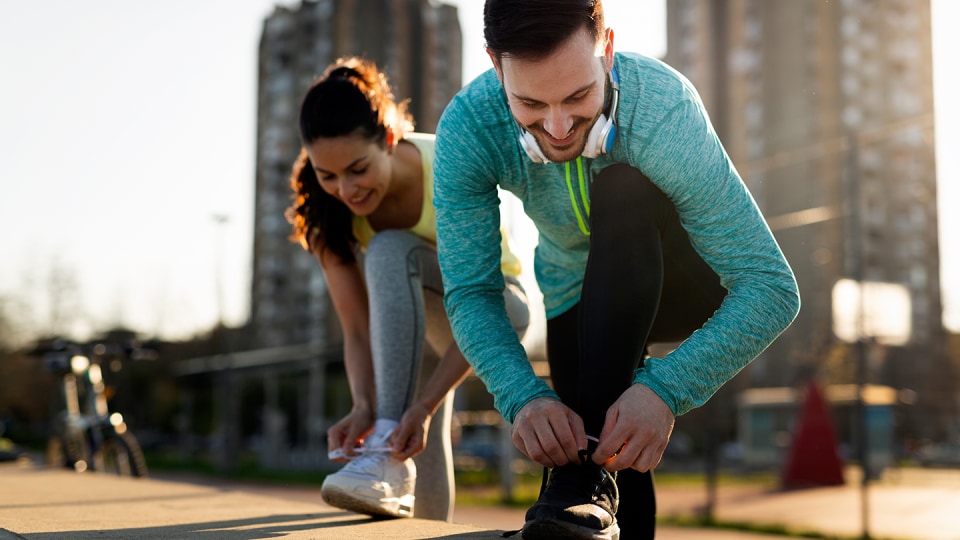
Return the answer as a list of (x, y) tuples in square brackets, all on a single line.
[(647, 234)]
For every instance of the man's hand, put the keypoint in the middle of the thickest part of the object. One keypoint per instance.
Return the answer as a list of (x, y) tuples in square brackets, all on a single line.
[(549, 432), (639, 425)]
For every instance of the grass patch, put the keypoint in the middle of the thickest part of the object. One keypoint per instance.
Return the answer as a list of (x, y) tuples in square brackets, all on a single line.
[(756, 528), (475, 487), (724, 478), (482, 487), (247, 469)]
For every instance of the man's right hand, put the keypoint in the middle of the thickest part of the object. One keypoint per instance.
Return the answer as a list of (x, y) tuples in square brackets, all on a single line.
[(549, 432)]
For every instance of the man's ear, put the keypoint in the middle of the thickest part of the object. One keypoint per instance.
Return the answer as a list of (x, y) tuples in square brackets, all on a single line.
[(608, 50), (496, 65)]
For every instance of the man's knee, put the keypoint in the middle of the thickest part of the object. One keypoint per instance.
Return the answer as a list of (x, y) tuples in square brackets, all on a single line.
[(627, 188)]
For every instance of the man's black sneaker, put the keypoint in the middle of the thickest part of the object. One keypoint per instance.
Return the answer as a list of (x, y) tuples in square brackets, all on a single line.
[(579, 502)]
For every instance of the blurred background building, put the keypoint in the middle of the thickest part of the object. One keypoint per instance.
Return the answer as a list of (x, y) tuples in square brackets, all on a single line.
[(826, 108)]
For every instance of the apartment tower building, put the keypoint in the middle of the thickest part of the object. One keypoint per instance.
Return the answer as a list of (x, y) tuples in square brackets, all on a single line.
[(826, 109), (418, 44)]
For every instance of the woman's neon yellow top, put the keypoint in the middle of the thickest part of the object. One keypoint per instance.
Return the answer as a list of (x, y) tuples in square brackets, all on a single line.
[(426, 228)]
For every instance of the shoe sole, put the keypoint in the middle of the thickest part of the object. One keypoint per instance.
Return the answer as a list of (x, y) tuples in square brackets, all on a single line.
[(558, 530), (347, 500)]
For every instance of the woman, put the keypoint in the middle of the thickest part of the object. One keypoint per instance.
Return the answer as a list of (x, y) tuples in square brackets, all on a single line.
[(363, 208)]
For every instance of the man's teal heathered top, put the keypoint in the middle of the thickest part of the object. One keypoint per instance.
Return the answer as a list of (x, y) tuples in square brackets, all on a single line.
[(664, 131)]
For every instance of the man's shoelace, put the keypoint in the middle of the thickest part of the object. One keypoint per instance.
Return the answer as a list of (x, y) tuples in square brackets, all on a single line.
[(576, 479), (570, 480)]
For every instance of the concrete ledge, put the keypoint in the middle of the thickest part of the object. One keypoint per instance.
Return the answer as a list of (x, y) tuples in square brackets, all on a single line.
[(42, 504), (47, 504)]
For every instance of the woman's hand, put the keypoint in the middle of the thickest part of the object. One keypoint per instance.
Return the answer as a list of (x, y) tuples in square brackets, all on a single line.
[(346, 433), (410, 437)]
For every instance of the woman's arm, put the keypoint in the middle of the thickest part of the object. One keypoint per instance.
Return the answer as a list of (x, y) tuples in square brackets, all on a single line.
[(451, 371), (349, 296), (410, 437)]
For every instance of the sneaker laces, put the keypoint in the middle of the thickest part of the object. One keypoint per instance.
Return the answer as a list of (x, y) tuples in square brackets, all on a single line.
[(585, 480), (374, 444), (574, 482), (367, 462), (358, 451)]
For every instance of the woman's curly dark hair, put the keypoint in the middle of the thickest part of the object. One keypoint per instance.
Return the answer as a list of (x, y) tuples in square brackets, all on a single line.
[(352, 96)]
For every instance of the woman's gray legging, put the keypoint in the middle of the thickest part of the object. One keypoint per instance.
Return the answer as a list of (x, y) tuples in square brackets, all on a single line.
[(409, 333)]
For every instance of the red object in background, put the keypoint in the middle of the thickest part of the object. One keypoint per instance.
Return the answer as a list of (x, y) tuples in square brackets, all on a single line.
[(813, 459)]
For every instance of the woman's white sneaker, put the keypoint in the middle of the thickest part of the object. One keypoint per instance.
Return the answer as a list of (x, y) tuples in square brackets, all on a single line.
[(373, 483)]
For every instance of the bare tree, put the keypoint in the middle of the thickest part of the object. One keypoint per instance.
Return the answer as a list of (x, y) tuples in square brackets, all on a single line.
[(12, 329), (63, 298)]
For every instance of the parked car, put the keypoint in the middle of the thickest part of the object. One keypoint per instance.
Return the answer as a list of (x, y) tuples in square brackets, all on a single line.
[(10, 451)]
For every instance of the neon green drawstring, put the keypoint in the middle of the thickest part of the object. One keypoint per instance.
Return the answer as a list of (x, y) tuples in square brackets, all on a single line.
[(583, 196)]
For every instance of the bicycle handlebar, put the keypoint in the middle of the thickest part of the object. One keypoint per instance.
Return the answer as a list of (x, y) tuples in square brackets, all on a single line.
[(57, 353)]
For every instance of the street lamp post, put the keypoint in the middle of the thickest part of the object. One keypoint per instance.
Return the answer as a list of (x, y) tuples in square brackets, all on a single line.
[(856, 272), (228, 409), (873, 322), (221, 220)]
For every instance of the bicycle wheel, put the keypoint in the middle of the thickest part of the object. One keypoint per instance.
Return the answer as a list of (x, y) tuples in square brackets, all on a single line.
[(121, 455), (71, 452)]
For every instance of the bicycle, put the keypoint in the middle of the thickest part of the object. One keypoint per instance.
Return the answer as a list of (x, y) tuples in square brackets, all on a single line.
[(86, 436)]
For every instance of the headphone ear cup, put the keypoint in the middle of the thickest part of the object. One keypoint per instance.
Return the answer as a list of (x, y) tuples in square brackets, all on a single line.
[(600, 138), (611, 136), (530, 146)]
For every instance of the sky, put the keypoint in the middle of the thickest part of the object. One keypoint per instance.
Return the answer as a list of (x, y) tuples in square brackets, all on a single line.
[(127, 155)]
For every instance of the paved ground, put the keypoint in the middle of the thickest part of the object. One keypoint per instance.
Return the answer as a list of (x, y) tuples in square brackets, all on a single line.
[(37, 503)]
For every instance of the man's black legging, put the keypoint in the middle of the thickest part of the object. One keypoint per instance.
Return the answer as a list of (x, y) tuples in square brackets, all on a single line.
[(644, 283)]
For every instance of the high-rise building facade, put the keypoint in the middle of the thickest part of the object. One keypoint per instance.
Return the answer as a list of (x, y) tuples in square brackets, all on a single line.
[(826, 108), (418, 44)]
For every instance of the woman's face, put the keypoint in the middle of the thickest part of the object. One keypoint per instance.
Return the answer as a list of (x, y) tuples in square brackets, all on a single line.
[(352, 169)]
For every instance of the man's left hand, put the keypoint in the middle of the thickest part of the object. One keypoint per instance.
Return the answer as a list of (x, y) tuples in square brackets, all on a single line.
[(636, 431)]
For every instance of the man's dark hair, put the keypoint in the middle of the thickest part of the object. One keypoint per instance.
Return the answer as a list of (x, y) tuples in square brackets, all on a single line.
[(532, 29)]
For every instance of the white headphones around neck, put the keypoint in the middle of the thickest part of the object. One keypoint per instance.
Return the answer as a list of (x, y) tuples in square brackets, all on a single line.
[(601, 136)]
